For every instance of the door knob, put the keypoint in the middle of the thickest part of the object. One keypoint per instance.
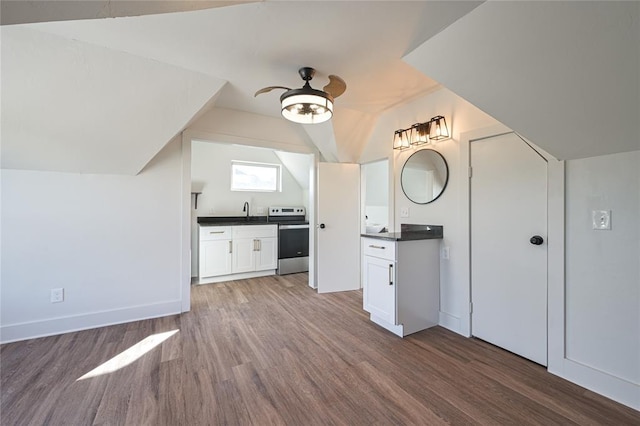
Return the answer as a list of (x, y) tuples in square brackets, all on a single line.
[(536, 240), (322, 226)]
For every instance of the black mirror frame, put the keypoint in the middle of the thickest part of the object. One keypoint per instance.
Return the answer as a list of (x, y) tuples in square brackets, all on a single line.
[(446, 181)]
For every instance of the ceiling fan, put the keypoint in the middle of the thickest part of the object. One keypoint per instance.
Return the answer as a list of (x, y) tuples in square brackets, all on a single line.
[(308, 105)]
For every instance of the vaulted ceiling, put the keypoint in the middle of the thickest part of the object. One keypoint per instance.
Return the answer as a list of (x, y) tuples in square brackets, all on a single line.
[(105, 95)]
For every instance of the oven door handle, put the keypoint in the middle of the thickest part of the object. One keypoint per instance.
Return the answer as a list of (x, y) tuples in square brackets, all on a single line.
[(294, 226)]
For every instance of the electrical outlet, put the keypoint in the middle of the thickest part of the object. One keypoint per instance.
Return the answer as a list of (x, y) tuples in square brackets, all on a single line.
[(445, 253), (57, 295), (404, 212), (601, 219)]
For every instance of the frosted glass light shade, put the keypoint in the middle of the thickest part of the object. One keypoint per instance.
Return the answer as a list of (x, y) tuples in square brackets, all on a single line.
[(306, 108)]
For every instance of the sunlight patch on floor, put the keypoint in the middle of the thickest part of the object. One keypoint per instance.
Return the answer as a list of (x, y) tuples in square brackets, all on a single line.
[(130, 355)]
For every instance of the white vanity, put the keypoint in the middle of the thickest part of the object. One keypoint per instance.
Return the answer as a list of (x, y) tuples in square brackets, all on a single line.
[(401, 278)]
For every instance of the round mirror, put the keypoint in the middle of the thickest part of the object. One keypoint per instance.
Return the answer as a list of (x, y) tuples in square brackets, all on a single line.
[(424, 176)]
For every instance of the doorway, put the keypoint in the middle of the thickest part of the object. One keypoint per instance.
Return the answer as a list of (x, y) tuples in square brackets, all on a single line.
[(375, 196), (210, 178), (508, 245)]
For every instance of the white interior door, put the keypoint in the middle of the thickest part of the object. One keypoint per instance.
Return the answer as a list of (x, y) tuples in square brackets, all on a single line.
[(338, 227), (508, 271)]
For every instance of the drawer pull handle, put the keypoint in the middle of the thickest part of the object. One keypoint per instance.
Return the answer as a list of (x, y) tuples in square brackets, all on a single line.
[(378, 247), (216, 232), (230, 246), (390, 274)]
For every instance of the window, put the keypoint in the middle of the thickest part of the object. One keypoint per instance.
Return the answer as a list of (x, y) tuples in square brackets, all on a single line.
[(247, 176)]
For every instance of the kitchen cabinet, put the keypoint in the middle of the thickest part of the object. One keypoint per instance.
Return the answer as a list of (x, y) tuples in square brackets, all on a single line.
[(254, 248), (215, 251), (401, 283), (236, 252)]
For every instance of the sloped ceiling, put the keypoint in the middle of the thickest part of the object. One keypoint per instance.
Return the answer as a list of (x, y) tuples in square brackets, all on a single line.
[(566, 75), (30, 11), (102, 95), (75, 107)]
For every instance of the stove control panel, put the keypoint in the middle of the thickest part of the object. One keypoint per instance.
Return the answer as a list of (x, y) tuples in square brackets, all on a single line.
[(286, 211)]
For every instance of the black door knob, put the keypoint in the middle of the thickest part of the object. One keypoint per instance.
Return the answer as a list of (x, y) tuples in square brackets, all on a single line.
[(322, 226), (536, 240)]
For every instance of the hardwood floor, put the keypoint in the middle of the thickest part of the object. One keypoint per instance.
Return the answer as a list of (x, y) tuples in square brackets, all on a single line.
[(272, 351)]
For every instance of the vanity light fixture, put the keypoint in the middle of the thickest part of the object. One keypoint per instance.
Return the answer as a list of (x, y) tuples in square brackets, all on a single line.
[(401, 139), (438, 128), (421, 133)]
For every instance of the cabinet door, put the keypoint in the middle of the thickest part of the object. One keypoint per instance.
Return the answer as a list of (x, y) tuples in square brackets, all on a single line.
[(267, 254), (215, 258), (244, 255), (379, 291)]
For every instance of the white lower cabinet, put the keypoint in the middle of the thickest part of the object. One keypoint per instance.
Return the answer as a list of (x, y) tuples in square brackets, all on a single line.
[(215, 251), (401, 283), (255, 248), (233, 252), (267, 254)]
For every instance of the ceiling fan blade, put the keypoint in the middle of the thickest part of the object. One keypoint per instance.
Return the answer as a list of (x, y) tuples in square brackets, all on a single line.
[(268, 89), (336, 86)]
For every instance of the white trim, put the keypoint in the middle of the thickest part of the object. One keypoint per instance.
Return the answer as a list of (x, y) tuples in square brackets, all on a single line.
[(464, 327), (231, 277), (619, 390), (449, 321), (185, 226), (68, 324), (197, 135)]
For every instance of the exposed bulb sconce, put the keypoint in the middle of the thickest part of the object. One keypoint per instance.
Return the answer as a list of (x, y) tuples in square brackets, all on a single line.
[(421, 133), (438, 128), (401, 139)]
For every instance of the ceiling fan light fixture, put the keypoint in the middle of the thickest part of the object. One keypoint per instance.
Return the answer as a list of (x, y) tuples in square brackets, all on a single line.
[(306, 105)]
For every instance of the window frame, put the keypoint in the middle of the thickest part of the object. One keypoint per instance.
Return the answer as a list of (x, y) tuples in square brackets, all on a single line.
[(276, 167)]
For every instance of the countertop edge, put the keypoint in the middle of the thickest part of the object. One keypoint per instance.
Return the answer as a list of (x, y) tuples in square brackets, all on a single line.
[(408, 236)]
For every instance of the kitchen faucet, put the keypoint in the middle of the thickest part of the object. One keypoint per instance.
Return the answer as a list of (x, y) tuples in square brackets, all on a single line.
[(245, 208)]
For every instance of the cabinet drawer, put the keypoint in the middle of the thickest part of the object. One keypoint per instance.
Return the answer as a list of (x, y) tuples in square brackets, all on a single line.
[(209, 233), (379, 248), (255, 231)]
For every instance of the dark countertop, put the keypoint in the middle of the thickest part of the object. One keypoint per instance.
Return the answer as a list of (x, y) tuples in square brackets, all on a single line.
[(410, 232), (242, 220)]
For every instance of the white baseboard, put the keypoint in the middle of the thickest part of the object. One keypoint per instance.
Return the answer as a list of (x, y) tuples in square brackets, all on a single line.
[(231, 277), (450, 322), (620, 390), (52, 326)]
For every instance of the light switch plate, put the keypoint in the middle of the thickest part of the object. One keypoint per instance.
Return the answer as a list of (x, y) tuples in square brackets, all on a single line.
[(601, 219), (404, 212)]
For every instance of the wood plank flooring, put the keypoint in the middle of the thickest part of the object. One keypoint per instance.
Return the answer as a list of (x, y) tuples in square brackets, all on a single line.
[(271, 351)]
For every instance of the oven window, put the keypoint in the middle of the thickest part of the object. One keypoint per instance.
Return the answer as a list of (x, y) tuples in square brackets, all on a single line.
[(293, 243)]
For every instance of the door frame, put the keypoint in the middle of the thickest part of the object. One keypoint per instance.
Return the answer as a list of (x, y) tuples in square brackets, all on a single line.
[(186, 199), (534, 154), (555, 239)]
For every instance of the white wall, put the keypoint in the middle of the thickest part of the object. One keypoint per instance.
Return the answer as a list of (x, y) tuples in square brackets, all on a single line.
[(211, 171), (603, 267), (112, 242)]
